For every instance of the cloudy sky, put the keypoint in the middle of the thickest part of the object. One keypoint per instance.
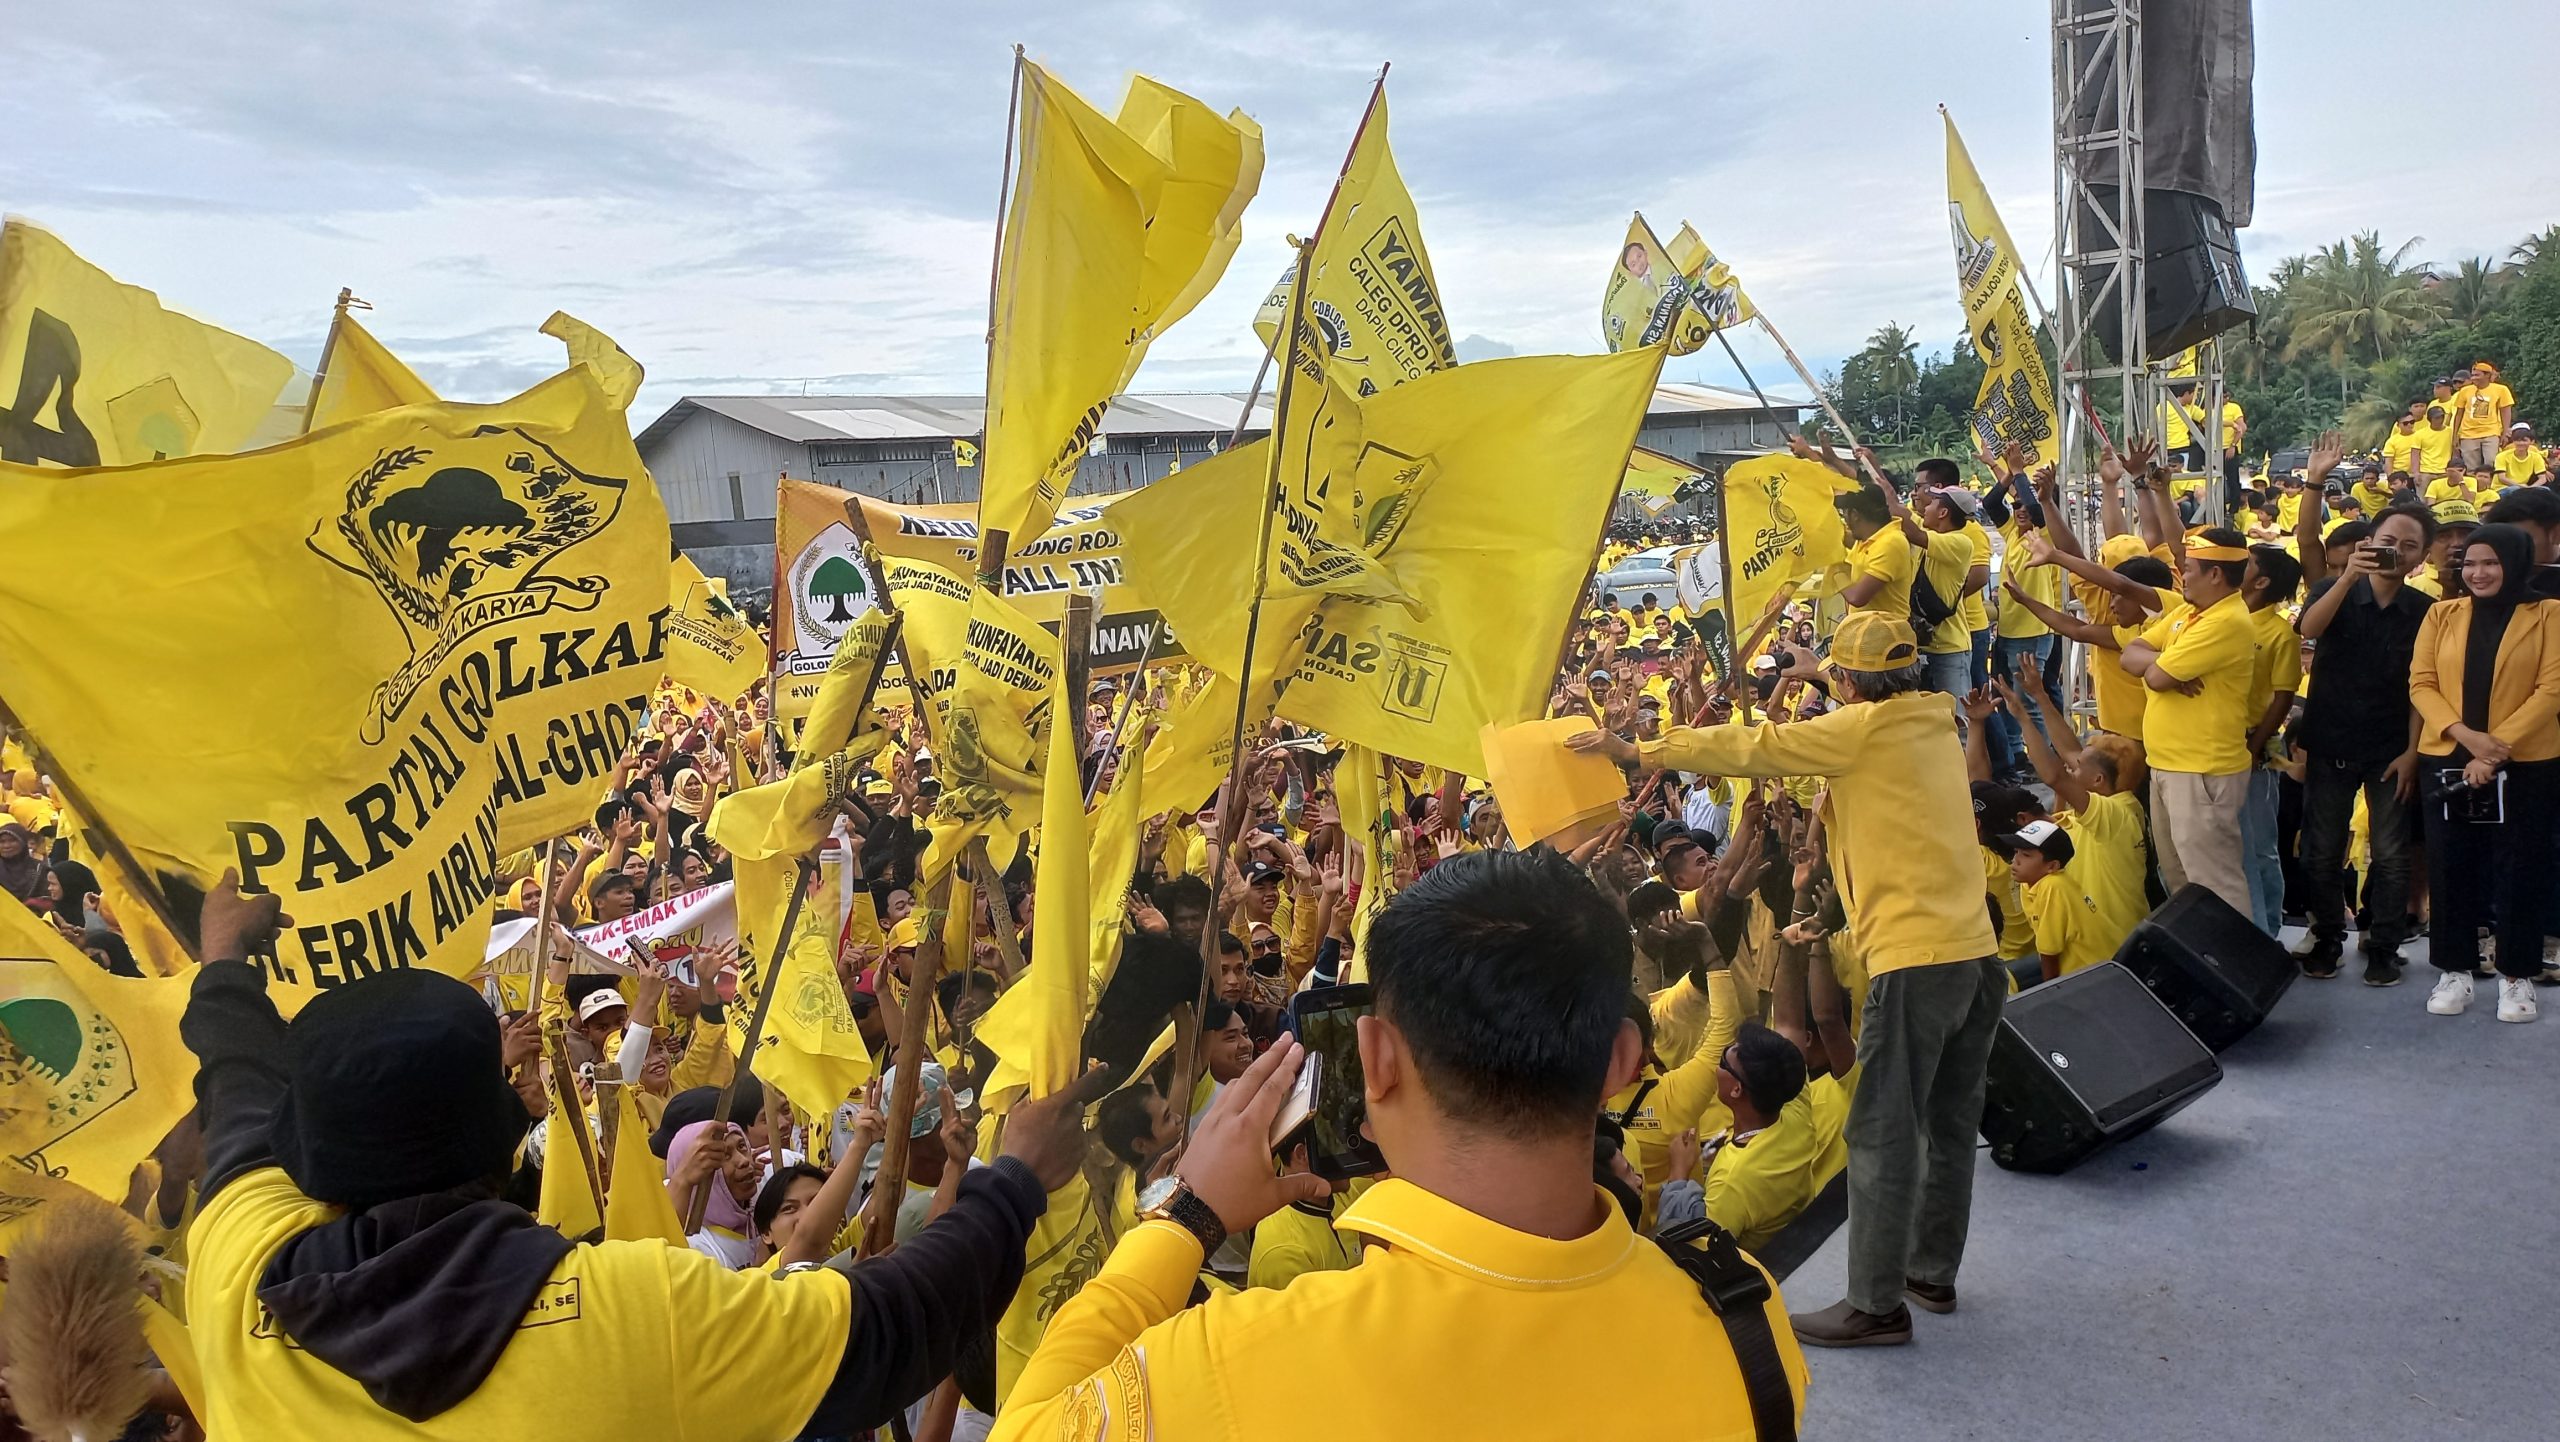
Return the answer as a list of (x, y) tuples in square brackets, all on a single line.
[(771, 198)]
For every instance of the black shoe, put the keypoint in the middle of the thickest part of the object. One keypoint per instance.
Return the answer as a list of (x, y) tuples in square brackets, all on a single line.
[(2380, 970), (2319, 957)]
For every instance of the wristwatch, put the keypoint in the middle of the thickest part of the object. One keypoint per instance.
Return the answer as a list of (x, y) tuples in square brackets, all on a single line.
[(1172, 1200)]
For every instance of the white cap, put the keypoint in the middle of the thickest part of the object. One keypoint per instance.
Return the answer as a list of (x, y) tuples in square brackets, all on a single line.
[(600, 1000), (2038, 833)]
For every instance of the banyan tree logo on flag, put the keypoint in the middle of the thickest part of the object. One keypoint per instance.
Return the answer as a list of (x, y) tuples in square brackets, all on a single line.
[(830, 590), (456, 537), (63, 1062)]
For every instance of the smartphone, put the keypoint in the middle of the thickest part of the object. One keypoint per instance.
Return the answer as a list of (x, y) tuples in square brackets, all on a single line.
[(1323, 1021)]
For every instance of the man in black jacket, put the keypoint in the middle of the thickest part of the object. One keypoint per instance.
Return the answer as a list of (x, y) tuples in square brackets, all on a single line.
[(353, 1275)]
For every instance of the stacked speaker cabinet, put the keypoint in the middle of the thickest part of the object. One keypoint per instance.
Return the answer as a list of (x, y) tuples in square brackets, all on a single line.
[(2084, 1061)]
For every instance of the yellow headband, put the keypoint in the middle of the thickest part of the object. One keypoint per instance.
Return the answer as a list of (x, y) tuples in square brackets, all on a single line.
[(2216, 553)]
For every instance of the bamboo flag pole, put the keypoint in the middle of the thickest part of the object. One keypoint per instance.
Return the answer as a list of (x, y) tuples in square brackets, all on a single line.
[(328, 351)]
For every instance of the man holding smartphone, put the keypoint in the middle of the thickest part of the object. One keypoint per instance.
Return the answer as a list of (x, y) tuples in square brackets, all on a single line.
[(1500, 983)]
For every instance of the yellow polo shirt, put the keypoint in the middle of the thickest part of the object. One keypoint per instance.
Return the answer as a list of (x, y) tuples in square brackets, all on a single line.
[(2372, 497), (1679, 1099), (2110, 857), (1948, 557), (1899, 817), (2207, 733), (1755, 1188), (1888, 557), (1446, 1314), (2043, 583), (2435, 449), (2066, 924), (2279, 663), (1975, 617)]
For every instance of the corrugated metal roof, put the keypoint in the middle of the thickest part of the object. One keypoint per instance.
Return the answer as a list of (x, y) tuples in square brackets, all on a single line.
[(1157, 413)]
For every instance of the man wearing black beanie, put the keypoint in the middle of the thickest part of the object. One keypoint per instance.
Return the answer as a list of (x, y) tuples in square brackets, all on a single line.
[(352, 1273)]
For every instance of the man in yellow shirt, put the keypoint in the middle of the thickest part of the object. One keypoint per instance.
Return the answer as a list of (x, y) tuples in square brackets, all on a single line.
[(2520, 461), (2065, 923), (2198, 667), (2458, 484), (2400, 449), (353, 1275), (2482, 411), (1881, 559), (1897, 818), (2435, 443), (2371, 491), (1500, 980), (1936, 530)]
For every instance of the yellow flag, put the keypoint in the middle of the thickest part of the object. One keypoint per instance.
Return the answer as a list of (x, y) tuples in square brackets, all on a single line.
[(2015, 404), (1371, 296), (92, 1072), (1778, 513), (404, 648), (1505, 470), (1368, 812), (615, 370), (1066, 1250), (810, 1047), (1188, 542), (636, 1205), (1647, 300), (964, 455), (1714, 289), (1316, 544), (997, 731), (1115, 230), (710, 646), (96, 372), (363, 376), (567, 1203), (1036, 1029), (1651, 473), (1116, 830)]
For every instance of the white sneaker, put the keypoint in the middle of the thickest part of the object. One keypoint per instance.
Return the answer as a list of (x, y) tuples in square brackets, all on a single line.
[(2452, 994), (2515, 999)]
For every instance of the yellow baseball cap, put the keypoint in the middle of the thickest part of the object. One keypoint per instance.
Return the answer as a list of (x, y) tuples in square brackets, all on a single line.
[(902, 937), (2454, 511), (1873, 641)]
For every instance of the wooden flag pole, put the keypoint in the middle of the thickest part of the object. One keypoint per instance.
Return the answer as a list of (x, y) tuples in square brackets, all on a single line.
[(94, 826), (768, 971), (328, 351), (889, 1185)]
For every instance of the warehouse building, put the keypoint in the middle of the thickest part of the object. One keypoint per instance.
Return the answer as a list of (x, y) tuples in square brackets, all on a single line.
[(716, 458)]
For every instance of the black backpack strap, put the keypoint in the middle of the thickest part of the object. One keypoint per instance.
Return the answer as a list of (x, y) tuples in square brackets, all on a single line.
[(1739, 1293), (1635, 1103)]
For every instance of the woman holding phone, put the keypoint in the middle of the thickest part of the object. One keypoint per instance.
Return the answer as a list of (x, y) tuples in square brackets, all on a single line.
[(2485, 679)]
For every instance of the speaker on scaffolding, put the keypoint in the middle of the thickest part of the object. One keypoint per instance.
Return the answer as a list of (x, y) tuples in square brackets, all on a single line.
[(2199, 163)]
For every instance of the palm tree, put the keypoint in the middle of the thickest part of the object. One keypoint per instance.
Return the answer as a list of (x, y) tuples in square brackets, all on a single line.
[(1895, 361), (2471, 293), (2355, 301), (2536, 247)]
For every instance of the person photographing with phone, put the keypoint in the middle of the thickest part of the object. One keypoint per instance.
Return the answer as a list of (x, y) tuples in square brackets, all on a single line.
[(2485, 678), (1500, 983)]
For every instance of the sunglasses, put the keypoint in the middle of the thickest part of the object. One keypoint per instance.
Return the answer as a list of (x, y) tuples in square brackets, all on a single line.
[(1266, 948)]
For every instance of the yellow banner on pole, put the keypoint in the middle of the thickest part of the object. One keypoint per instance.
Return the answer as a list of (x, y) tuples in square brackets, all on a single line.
[(1371, 297), (403, 648), (1714, 289), (1115, 231), (710, 646), (2015, 405), (1781, 526), (363, 377), (94, 372), (1647, 300)]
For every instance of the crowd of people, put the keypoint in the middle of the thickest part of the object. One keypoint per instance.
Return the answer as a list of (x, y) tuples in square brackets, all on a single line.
[(1596, 1065)]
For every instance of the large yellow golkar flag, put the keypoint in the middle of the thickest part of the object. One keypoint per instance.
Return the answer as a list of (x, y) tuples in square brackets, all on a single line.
[(1116, 229), (97, 372), (359, 667), (2015, 404)]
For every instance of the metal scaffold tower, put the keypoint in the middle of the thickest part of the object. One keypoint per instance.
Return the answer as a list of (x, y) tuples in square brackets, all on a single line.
[(2099, 252)]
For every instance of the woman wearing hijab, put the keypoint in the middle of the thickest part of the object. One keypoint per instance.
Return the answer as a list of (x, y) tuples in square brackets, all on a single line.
[(21, 870), (716, 1156), (2485, 679), (68, 885)]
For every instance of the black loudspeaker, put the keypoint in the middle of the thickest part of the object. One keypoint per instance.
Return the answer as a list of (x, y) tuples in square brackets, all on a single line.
[(2194, 289), (2082, 1061), (2209, 964)]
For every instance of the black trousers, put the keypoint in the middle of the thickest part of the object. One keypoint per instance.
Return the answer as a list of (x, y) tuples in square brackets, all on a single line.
[(2503, 870)]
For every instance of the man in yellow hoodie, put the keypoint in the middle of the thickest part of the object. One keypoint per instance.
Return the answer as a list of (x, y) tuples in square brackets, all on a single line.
[(1899, 820)]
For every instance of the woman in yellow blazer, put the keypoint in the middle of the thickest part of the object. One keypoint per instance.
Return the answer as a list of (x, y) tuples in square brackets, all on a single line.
[(2485, 679)]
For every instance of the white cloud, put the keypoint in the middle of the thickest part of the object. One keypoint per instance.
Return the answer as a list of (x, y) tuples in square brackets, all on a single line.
[(755, 198)]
